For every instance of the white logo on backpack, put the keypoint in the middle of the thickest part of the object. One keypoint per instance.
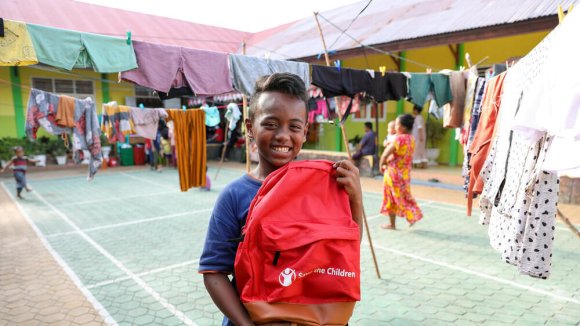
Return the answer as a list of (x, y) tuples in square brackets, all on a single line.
[(287, 277)]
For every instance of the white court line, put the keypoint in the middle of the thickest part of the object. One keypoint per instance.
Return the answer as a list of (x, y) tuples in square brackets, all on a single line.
[(482, 275), (149, 181), (116, 198), (153, 271), (145, 220), (180, 315), (65, 267)]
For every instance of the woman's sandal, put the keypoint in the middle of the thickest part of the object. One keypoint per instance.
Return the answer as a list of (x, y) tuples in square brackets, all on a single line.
[(388, 227)]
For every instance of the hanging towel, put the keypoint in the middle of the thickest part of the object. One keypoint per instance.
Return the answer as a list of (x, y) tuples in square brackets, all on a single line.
[(212, 116), (71, 49), (16, 47), (116, 121), (233, 114), (453, 117), (179, 71), (391, 86), (41, 112), (421, 84), (65, 114), (247, 70), (146, 121), (190, 147), (87, 135)]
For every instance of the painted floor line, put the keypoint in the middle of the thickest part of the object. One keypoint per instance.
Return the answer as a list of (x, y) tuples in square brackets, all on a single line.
[(177, 313), (166, 186), (62, 263), (116, 198), (145, 220), (153, 271), (482, 275)]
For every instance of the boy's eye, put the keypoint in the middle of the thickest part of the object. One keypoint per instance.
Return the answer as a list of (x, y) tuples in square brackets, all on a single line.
[(296, 127), (269, 124)]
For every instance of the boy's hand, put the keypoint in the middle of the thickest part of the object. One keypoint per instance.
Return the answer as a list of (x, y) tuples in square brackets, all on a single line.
[(347, 175)]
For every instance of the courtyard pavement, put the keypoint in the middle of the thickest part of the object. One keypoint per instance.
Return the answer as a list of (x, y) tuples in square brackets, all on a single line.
[(124, 250)]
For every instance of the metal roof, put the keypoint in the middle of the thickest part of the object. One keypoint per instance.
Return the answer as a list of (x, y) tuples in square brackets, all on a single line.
[(387, 21), (84, 17)]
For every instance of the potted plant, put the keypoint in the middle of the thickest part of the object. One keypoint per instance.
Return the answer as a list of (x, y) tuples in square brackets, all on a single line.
[(58, 150), (435, 132), (105, 146), (39, 149), (5, 152)]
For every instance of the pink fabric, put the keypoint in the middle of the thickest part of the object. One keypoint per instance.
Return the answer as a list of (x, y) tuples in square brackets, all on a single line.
[(162, 67)]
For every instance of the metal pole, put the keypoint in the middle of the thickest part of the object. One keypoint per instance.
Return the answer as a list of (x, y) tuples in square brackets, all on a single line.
[(345, 140)]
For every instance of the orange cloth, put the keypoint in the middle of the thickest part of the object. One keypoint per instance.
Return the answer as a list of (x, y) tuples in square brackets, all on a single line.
[(189, 134), (483, 137), (65, 113)]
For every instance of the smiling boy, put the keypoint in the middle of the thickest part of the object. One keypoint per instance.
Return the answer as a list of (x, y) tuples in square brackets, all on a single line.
[(277, 122)]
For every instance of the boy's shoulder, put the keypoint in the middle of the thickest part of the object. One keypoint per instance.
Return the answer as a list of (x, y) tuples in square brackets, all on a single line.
[(242, 186)]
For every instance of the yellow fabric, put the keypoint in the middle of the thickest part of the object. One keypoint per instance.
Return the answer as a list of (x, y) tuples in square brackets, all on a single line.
[(16, 47), (190, 147), (116, 122)]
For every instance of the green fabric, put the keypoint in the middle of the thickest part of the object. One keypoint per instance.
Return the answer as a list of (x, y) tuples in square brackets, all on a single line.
[(71, 49), (421, 84)]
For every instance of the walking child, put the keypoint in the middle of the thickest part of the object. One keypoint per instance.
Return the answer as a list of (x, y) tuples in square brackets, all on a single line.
[(278, 124), (396, 163), (20, 163)]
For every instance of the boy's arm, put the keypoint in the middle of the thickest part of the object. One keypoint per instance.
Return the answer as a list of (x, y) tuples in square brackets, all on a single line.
[(7, 165), (226, 299), (348, 177)]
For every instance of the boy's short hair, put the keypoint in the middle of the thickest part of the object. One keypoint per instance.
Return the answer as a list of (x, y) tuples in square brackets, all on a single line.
[(369, 125), (17, 148), (286, 83)]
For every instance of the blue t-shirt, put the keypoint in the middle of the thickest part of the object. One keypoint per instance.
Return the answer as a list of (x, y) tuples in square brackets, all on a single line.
[(367, 144), (226, 222)]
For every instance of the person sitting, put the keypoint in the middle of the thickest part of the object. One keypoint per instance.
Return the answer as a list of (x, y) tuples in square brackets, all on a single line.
[(367, 146)]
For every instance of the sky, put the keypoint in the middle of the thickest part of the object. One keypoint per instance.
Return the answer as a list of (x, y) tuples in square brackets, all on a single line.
[(243, 15)]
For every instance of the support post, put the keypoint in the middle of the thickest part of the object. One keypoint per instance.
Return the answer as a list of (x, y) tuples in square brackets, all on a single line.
[(402, 67), (19, 118), (345, 140), (454, 144)]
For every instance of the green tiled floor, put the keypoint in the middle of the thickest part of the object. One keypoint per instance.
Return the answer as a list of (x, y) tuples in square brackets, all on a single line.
[(141, 237)]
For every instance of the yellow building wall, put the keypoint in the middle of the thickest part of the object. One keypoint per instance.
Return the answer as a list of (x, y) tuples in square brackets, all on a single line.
[(497, 50)]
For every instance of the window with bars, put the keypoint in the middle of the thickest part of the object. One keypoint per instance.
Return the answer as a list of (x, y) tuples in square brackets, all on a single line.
[(368, 111), (144, 92), (74, 88)]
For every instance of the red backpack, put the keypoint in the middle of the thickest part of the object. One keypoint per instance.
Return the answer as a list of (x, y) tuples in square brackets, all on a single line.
[(299, 260)]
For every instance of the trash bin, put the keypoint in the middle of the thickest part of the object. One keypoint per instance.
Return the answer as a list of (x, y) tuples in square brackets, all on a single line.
[(126, 155), (139, 154)]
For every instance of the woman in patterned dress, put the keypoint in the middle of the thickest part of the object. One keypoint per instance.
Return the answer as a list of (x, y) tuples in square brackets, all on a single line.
[(396, 163)]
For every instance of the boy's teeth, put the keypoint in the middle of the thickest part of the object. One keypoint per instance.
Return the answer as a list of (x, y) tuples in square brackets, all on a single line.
[(281, 149)]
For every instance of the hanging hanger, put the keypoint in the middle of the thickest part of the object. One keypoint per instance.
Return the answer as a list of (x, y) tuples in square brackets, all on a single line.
[(337, 64), (428, 70)]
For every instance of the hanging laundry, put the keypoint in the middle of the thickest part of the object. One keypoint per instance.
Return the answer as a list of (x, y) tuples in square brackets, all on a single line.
[(41, 112), (482, 139), (391, 86), (71, 49), (247, 70), (87, 135), (233, 114), (320, 110), (342, 81), (212, 115), (146, 121), (179, 71), (16, 47), (421, 84), (553, 104), (472, 79), (470, 133), (453, 116), (116, 121), (65, 115), (190, 146), (345, 103)]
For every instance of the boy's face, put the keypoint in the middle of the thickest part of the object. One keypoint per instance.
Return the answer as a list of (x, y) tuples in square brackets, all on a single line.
[(279, 128), (19, 153)]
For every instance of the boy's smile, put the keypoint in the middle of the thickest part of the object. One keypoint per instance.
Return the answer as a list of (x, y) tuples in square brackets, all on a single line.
[(279, 129)]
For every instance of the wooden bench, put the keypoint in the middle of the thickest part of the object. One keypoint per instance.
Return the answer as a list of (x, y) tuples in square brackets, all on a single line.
[(366, 167)]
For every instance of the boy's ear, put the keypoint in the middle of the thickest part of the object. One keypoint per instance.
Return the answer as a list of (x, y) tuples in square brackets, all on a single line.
[(249, 129), (305, 132)]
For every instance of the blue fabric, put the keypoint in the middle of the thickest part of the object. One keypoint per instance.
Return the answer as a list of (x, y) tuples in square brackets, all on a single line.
[(367, 144), (212, 116), (226, 222)]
